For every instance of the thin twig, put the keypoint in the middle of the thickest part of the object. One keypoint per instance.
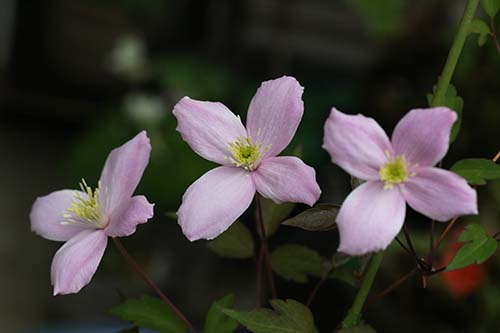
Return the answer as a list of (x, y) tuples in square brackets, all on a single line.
[(420, 262), (259, 276), (393, 286), (431, 243), (494, 34), (445, 233), (403, 246), (497, 157), (135, 266), (408, 241), (263, 239), (313, 293)]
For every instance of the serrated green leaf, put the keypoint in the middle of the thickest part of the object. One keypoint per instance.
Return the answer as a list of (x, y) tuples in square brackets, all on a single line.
[(358, 329), (476, 170), (480, 27), (150, 312), (273, 214), (478, 247), (455, 103), (236, 242), (295, 262), (319, 218), (491, 7), (288, 317), (217, 321)]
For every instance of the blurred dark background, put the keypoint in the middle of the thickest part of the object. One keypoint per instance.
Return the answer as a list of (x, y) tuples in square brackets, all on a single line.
[(78, 78)]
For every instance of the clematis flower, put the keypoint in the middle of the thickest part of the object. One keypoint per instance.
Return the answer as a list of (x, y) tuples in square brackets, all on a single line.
[(248, 157), (85, 219), (397, 171)]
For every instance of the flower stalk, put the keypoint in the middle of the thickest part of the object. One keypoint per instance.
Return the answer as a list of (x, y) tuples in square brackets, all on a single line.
[(353, 317), (454, 54), (264, 247), (140, 272)]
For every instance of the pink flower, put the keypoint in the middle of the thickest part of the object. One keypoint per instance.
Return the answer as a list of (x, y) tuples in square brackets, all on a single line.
[(248, 157), (397, 172), (85, 219)]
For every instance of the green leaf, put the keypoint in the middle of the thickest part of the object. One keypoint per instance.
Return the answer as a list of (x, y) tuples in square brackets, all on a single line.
[(217, 321), (455, 103), (150, 312), (236, 242), (358, 329), (288, 317), (273, 214), (480, 27), (476, 170), (295, 262), (319, 218), (491, 7), (478, 247)]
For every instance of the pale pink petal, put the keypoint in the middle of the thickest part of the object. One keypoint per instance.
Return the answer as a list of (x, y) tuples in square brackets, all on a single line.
[(439, 194), (208, 128), (423, 135), (356, 143), (77, 260), (370, 218), (286, 179), (123, 171), (213, 202), (47, 216), (275, 113), (128, 215)]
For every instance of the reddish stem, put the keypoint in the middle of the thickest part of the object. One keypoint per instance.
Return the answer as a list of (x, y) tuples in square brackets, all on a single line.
[(494, 36), (313, 293), (135, 266), (393, 286), (263, 239), (258, 287), (445, 232)]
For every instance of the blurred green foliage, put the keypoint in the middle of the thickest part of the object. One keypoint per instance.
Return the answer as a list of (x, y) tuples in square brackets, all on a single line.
[(382, 18)]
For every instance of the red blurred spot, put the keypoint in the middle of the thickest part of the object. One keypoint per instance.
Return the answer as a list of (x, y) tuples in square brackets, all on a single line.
[(461, 282)]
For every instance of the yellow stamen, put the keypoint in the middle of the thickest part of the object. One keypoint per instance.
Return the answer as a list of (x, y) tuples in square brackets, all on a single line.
[(394, 172), (86, 208), (246, 154)]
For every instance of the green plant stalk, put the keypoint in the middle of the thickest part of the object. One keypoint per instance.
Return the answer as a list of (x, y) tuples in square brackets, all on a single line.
[(353, 317), (454, 54)]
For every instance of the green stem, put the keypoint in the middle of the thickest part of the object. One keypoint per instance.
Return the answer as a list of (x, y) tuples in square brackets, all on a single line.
[(455, 51), (353, 317)]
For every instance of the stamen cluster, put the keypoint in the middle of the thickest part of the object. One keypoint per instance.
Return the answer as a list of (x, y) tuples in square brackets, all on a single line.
[(394, 172), (246, 154), (87, 207)]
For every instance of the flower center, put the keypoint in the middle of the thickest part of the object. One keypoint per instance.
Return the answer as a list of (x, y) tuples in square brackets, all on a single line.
[(86, 207), (394, 172), (246, 154)]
